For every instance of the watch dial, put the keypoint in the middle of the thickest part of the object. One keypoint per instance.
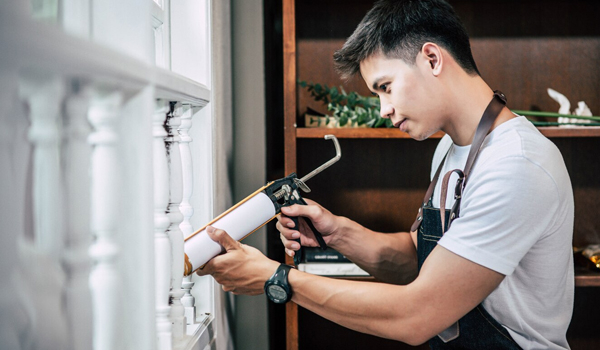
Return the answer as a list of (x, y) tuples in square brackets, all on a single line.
[(277, 293)]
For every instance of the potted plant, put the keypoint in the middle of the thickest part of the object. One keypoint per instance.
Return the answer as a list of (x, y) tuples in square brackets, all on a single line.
[(349, 109)]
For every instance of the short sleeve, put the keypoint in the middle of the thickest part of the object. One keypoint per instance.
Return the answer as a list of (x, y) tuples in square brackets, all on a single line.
[(507, 206)]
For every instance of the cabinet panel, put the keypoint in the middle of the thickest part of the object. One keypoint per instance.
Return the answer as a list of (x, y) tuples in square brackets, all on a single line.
[(522, 48), (378, 183)]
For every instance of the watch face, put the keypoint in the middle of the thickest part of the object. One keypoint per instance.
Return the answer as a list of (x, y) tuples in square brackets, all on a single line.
[(277, 293)]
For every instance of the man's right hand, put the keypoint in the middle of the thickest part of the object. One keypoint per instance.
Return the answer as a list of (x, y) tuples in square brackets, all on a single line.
[(323, 220)]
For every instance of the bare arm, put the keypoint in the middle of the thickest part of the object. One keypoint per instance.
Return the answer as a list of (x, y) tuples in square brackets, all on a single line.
[(447, 288), (389, 257)]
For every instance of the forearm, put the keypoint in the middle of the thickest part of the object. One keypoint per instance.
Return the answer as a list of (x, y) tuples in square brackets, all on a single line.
[(379, 309), (412, 313), (389, 257)]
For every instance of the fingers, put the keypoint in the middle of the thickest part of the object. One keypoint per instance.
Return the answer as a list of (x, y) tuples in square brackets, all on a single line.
[(289, 245), (222, 238), (288, 237), (298, 210), (225, 241), (285, 221)]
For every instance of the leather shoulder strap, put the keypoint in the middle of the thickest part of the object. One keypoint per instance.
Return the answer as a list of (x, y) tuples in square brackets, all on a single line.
[(487, 120), (429, 193)]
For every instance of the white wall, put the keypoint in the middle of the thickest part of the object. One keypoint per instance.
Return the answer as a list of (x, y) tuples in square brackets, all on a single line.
[(251, 316)]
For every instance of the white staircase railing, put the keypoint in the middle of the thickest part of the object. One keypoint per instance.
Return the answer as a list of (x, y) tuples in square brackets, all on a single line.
[(96, 169)]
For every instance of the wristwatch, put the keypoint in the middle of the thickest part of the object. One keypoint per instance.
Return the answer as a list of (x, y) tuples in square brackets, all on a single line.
[(277, 287)]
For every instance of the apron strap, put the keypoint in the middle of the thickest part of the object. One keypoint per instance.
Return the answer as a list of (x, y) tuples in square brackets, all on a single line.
[(457, 196), (487, 120), (428, 195), (489, 116)]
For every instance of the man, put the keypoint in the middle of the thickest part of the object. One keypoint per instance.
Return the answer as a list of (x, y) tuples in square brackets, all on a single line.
[(501, 275)]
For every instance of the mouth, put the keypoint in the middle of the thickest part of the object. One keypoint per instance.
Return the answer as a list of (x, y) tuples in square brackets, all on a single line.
[(399, 123)]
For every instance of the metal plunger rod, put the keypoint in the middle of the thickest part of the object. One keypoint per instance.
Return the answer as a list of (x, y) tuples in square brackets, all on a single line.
[(338, 155)]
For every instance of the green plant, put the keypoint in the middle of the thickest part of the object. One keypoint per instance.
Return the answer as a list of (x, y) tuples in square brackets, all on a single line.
[(347, 107)]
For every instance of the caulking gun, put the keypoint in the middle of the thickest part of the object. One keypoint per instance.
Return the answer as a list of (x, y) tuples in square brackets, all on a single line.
[(254, 212)]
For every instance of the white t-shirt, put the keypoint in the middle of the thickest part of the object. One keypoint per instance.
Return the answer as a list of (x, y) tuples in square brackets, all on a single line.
[(516, 218)]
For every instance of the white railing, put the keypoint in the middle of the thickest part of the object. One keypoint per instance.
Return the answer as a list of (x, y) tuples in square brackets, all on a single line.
[(96, 173)]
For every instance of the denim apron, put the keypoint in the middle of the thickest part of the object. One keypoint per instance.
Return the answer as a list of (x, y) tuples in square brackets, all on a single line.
[(477, 329)]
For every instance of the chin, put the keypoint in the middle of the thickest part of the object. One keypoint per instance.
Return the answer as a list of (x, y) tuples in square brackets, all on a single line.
[(421, 136)]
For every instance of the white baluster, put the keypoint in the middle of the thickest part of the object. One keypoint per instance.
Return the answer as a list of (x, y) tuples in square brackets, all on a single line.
[(188, 301), (186, 208), (44, 96), (162, 246), (105, 109), (76, 258), (15, 154), (175, 218)]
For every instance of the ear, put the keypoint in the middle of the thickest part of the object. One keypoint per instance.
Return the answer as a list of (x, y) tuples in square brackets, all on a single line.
[(434, 57)]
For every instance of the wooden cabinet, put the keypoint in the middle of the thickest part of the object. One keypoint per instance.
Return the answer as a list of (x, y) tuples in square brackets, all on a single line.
[(521, 48)]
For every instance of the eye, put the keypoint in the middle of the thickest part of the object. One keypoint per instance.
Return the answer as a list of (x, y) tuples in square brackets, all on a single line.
[(384, 88)]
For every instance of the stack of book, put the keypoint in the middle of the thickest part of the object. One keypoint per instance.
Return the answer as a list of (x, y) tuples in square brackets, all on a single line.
[(328, 263)]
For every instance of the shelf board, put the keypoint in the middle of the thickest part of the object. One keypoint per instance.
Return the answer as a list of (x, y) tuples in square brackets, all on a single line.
[(576, 131), (356, 133), (587, 279), (393, 133)]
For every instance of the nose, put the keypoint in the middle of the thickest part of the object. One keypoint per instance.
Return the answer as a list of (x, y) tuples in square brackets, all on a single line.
[(387, 110)]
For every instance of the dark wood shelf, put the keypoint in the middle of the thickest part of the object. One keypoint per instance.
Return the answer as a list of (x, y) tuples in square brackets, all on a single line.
[(577, 131), (393, 133), (356, 133), (587, 278), (521, 48)]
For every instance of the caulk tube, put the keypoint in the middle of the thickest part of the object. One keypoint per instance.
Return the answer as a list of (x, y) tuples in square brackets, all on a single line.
[(241, 220)]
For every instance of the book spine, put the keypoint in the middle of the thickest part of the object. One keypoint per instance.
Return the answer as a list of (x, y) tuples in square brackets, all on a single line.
[(329, 255)]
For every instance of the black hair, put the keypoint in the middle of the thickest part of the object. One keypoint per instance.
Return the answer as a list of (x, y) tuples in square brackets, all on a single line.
[(399, 28)]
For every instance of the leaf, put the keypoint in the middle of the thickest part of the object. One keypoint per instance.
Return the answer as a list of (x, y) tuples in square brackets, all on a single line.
[(343, 120)]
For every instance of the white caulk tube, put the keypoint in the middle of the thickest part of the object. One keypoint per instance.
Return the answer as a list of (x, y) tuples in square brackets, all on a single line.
[(241, 220)]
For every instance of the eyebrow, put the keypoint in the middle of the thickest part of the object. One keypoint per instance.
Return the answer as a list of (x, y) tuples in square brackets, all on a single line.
[(376, 82)]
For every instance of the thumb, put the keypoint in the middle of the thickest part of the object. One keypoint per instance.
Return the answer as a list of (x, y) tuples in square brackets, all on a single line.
[(222, 238)]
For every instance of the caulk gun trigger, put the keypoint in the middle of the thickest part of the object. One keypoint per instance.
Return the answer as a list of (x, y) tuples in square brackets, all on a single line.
[(302, 185)]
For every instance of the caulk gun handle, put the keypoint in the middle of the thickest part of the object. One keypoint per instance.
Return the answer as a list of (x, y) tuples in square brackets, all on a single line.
[(299, 255)]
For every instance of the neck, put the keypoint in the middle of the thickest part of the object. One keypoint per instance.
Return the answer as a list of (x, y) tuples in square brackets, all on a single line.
[(470, 96)]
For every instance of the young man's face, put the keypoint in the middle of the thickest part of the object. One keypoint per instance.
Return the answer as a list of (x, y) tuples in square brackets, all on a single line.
[(406, 94)]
